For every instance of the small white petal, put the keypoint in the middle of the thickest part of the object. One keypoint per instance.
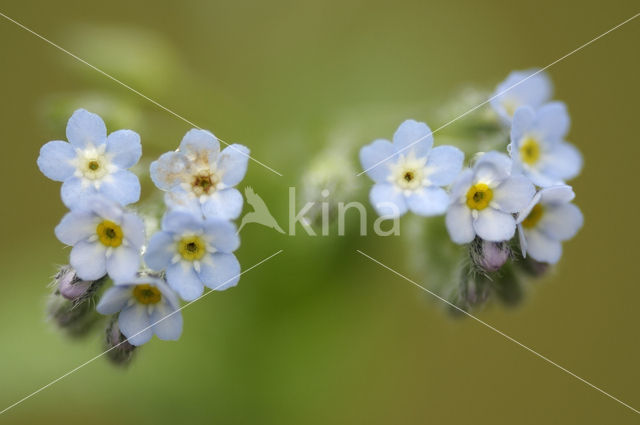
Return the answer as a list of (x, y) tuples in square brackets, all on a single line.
[(494, 226)]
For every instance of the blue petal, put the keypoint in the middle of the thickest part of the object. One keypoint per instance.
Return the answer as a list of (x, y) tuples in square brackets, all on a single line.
[(460, 223), (135, 323), (201, 144), (444, 163), (462, 184), (523, 120), (167, 323), (552, 121), (123, 263), (515, 91), (133, 229), (224, 235), (220, 271), (125, 147), (179, 222), (74, 195), (55, 160), (233, 164), (494, 226), (76, 226), (514, 194), (563, 162), (122, 186), (179, 200), (89, 260), (542, 248), (561, 222), (428, 202), (160, 251), (114, 299), (387, 200), (183, 279), (167, 171), (85, 128), (169, 296), (376, 158), (560, 194), (413, 136), (226, 204)]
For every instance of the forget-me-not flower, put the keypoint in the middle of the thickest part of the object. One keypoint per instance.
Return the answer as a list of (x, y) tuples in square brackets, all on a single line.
[(106, 239), (92, 162), (484, 199), (147, 306), (519, 89), (195, 253), (409, 174), (538, 148), (549, 219), (198, 177)]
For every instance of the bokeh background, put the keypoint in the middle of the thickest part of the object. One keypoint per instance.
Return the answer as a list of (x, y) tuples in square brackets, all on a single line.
[(320, 334)]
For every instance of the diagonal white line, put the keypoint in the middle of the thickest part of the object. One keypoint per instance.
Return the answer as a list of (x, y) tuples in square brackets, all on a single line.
[(501, 93), (129, 88), (153, 324), (548, 360)]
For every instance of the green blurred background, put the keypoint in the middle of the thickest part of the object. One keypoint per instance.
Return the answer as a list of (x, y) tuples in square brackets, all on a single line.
[(320, 334)]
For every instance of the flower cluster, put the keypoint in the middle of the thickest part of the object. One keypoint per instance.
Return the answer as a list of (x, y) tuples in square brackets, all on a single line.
[(521, 190), (193, 249)]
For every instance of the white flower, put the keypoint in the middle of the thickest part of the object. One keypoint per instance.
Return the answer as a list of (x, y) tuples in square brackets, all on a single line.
[(519, 89), (195, 253), (484, 199), (538, 148), (92, 162), (549, 219), (200, 178), (409, 174), (105, 239), (147, 306)]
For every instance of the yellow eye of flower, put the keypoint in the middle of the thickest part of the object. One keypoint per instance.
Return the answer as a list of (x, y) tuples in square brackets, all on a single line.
[(479, 196), (530, 151), (534, 217), (147, 294), (192, 248), (109, 233), (409, 176)]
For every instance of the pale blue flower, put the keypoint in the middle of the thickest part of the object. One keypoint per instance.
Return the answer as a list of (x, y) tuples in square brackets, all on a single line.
[(147, 306), (538, 148), (106, 239), (409, 174), (520, 90), (92, 162), (195, 253), (549, 220), (484, 200), (200, 178)]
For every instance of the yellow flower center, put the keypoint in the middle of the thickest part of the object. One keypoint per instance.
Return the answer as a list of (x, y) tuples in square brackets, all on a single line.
[(203, 183), (530, 151), (479, 196), (192, 248), (109, 233), (534, 217), (147, 294)]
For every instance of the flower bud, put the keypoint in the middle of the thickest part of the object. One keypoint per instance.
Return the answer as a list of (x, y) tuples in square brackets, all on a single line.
[(69, 285), (489, 256), (77, 318), (119, 351)]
